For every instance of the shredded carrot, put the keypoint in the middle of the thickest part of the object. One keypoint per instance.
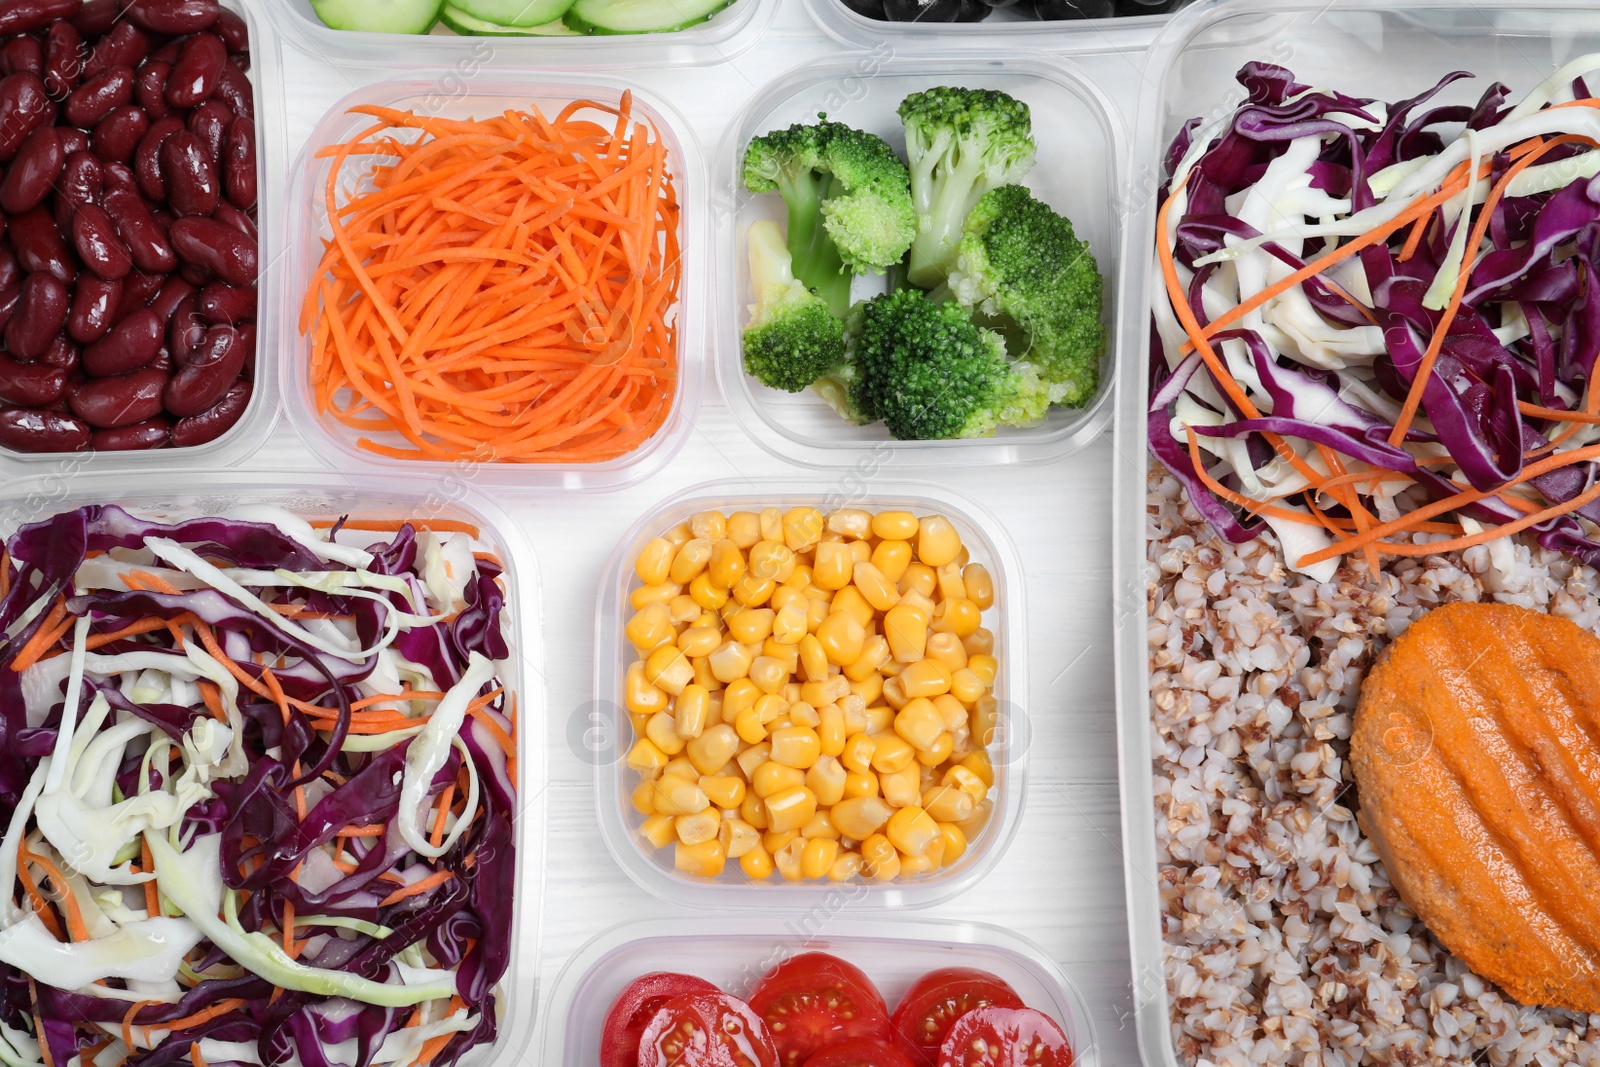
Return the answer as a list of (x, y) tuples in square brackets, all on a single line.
[(56, 623), (152, 895), (376, 830), (154, 583), (195, 1057), (222, 1007), (289, 946), (445, 799), (41, 906), (75, 924), (419, 886), (435, 1045), (143, 626), (394, 525), (213, 700), (127, 1023)]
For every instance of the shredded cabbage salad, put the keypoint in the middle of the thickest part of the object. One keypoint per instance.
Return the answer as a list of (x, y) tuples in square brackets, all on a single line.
[(1378, 322), (258, 785)]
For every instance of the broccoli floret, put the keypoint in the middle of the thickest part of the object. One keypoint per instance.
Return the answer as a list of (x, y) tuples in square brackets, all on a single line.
[(930, 373), (792, 338), (849, 201), (961, 143), (1022, 262)]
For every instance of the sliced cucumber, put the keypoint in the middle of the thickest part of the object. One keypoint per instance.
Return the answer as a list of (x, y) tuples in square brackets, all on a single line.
[(513, 13), (640, 16), (379, 16), (465, 24)]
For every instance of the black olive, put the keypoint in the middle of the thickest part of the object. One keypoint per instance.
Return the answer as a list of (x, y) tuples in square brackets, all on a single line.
[(1075, 9), (1005, 3), (973, 11), (1147, 7), (873, 9), (922, 10)]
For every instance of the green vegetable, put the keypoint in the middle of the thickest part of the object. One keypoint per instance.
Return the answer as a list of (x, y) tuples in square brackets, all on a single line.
[(468, 26), (1022, 263), (849, 201), (640, 16), (931, 373), (513, 13), (792, 338), (379, 16), (961, 143)]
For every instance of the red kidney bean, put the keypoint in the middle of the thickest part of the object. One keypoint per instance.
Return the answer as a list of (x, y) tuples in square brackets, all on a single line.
[(10, 297), (120, 176), (194, 76), (185, 330), (138, 289), (211, 369), (167, 53), (224, 251), (63, 60), (11, 272), (165, 303), (233, 89), (233, 30), (215, 421), (95, 98), (36, 167), (24, 107), (22, 54), (73, 140), (223, 305), (190, 178), (116, 137), (235, 219), (40, 247), (27, 430), (147, 161), (64, 354), (239, 164), (173, 16), (31, 384), (131, 344), (150, 248), (196, 275), (152, 433), (96, 18), (125, 44), (150, 88), (162, 360), (101, 249), (25, 16), (38, 317), (122, 401), (82, 181), (95, 301), (209, 122), (247, 338)]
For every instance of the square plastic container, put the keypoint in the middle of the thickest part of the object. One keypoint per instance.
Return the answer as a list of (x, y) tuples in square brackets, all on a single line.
[(1373, 48), (306, 227), (187, 493), (1079, 173), (726, 35), (615, 780), (734, 958), (255, 425), (1001, 29)]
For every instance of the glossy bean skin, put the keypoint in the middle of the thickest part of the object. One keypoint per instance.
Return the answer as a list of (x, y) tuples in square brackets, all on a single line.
[(214, 421), (152, 433), (99, 246), (107, 403), (82, 181), (239, 164), (162, 360), (64, 354), (25, 106), (95, 301), (235, 219), (213, 366), (150, 89), (22, 54), (151, 250), (120, 176), (185, 330), (174, 16), (124, 44), (138, 289), (11, 272), (194, 76), (131, 344), (98, 96), (96, 17), (40, 246), (30, 430), (233, 89), (233, 30), (37, 165), (116, 137), (31, 384), (73, 139), (225, 252), (166, 301), (10, 297), (39, 316), (25, 16), (223, 305), (147, 159), (190, 178), (209, 122), (63, 60)]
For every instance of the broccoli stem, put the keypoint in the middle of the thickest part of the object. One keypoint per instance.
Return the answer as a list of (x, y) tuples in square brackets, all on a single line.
[(956, 190), (817, 262)]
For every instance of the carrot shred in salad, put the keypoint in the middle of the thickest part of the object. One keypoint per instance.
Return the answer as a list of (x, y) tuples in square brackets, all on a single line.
[(499, 290)]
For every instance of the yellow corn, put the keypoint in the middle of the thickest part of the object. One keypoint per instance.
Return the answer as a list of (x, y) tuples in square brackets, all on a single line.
[(749, 726), (679, 796), (829, 691), (846, 867), (751, 758), (654, 562), (959, 777), (950, 584), (851, 522), (979, 584), (979, 642), (860, 817), (680, 767), (800, 577), (955, 843), (773, 777), (911, 831), (951, 712), (902, 788), (644, 798), (659, 830), (791, 625), (919, 578), (771, 708), (691, 559), (752, 592), (860, 552), (985, 667), (668, 669), (699, 641), (919, 723), (772, 560), (894, 525), (818, 857), (958, 616), (892, 558), (813, 659), (842, 637), (737, 837), (768, 674), (711, 751), (985, 721), (802, 528), (860, 785), (943, 747), (730, 662), (802, 713), (880, 860), (924, 678), (796, 746), (946, 650), (650, 627), (855, 714), (723, 790), (774, 841), (641, 697), (790, 860), (662, 730), (850, 601), (858, 752), (754, 811), (785, 595), (947, 803), (911, 866), (678, 534), (980, 818), (710, 525), (751, 626), (771, 524), (819, 825), (905, 628), (826, 777), (937, 541), (876, 589), (698, 828), (831, 729), (834, 567), (663, 594), (966, 686), (756, 864), (791, 809), (704, 860), (978, 763), (692, 712), (740, 694), (880, 718), (869, 689), (744, 528), (893, 695), (706, 593), (645, 757)]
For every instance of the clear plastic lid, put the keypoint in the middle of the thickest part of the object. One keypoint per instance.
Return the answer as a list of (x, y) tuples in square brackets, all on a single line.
[(306, 226), (1002, 29), (1079, 173), (615, 780)]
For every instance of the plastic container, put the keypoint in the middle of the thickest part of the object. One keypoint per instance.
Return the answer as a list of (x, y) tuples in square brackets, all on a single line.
[(1079, 173), (251, 431), (1002, 29), (728, 34), (186, 493), (306, 227), (615, 780), (740, 951), (1374, 48)]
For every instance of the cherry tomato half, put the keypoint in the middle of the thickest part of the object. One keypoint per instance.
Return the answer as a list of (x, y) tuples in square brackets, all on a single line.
[(815, 1000), (861, 1052), (931, 1006), (706, 1030), (1005, 1037), (633, 1010)]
